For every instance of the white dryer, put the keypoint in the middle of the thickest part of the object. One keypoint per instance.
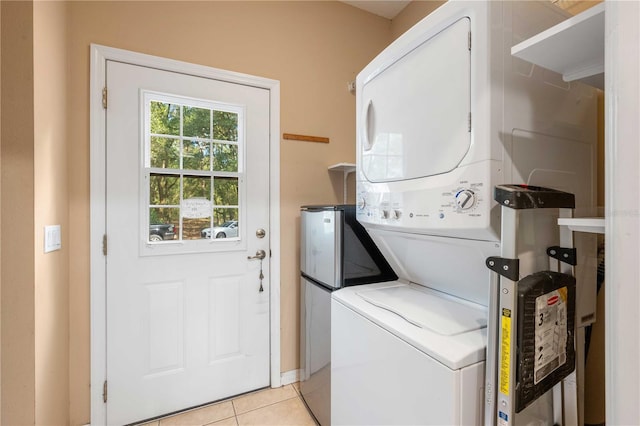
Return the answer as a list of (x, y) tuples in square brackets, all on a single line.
[(443, 115)]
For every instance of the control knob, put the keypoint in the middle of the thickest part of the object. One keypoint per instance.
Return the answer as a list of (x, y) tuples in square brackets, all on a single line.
[(362, 203), (465, 199)]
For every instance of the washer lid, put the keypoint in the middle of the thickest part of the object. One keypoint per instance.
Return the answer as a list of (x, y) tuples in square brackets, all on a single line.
[(450, 330), (429, 310)]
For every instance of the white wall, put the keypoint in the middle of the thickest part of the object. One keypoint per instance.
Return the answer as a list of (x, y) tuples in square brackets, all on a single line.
[(622, 211)]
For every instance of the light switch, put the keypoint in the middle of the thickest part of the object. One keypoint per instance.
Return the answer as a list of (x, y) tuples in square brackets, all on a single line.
[(52, 240)]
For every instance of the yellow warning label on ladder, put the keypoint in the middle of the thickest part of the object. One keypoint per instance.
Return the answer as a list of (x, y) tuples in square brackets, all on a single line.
[(505, 358)]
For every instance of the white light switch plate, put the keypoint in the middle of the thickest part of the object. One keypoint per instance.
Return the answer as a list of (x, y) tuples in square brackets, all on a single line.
[(52, 239)]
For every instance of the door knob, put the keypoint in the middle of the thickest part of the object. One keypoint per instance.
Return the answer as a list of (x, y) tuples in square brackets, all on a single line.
[(260, 254), (260, 233)]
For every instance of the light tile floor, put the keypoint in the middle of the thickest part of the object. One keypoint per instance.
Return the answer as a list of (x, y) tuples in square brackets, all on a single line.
[(280, 406)]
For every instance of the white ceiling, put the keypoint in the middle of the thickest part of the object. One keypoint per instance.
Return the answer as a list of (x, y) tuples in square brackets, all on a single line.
[(385, 8)]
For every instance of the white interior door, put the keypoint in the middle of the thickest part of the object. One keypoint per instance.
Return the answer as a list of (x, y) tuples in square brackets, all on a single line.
[(187, 313)]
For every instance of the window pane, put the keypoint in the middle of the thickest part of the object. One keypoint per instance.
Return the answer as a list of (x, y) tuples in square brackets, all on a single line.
[(222, 215), (196, 155), (165, 118), (225, 157), (197, 122), (225, 126), (163, 224), (225, 191), (164, 189), (165, 153), (226, 223), (197, 187), (192, 228)]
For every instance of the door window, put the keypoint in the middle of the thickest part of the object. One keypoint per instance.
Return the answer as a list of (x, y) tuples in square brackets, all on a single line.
[(193, 170)]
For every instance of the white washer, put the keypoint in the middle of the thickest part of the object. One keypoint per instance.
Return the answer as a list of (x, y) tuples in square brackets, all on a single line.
[(402, 353), (399, 351)]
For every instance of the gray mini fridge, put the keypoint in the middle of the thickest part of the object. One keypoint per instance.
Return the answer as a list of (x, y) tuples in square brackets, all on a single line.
[(335, 251)]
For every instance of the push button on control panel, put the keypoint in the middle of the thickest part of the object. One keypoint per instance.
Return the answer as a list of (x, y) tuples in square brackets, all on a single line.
[(391, 214)]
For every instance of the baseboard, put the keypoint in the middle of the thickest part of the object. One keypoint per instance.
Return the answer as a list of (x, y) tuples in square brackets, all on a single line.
[(289, 377)]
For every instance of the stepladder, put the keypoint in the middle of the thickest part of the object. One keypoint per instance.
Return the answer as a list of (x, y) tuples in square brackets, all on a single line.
[(533, 342)]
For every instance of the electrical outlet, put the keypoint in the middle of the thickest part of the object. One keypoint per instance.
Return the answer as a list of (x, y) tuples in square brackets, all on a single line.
[(52, 238)]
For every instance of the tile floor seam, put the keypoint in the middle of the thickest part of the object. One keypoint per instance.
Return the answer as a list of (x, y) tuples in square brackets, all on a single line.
[(297, 395), (219, 420), (268, 405)]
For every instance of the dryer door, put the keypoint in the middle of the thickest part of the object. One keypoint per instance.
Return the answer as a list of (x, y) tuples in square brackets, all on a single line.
[(415, 112)]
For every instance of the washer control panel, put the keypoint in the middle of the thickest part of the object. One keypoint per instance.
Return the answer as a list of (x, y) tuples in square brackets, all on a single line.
[(462, 210)]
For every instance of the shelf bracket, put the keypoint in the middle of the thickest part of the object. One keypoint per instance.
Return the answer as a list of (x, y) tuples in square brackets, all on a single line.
[(346, 169)]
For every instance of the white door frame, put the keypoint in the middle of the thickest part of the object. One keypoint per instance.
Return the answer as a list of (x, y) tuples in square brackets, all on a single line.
[(622, 204), (99, 56)]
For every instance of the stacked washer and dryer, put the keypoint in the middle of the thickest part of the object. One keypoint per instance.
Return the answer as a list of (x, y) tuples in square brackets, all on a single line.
[(445, 114)]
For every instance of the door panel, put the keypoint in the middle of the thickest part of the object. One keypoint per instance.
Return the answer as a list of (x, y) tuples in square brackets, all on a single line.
[(315, 355), (164, 326), (320, 246), (187, 323)]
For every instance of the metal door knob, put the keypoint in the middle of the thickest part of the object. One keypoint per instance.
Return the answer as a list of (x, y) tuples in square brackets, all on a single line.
[(260, 254), (260, 233)]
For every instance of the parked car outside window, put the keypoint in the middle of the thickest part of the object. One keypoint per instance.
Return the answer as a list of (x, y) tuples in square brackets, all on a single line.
[(161, 232), (228, 229)]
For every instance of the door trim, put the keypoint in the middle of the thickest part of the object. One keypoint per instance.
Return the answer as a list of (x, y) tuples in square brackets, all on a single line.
[(99, 56)]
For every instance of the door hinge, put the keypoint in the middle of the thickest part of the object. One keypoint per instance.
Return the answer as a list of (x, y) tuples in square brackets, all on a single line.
[(104, 244), (104, 98), (469, 122), (469, 41), (104, 392)]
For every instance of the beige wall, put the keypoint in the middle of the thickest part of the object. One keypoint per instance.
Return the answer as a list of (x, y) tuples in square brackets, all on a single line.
[(17, 269), (50, 208), (312, 48), (0, 216), (35, 305), (410, 15)]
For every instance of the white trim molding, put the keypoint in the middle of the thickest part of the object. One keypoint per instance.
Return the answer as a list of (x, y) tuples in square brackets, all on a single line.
[(622, 211), (99, 57), (288, 377)]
